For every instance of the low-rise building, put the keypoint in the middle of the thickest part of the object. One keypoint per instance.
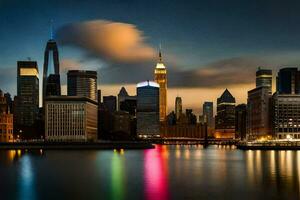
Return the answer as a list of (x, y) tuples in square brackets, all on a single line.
[(70, 118)]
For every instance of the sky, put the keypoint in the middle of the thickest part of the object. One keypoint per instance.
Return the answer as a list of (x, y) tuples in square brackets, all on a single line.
[(207, 46)]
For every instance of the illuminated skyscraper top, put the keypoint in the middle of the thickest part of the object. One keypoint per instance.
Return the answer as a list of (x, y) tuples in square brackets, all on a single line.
[(160, 76)]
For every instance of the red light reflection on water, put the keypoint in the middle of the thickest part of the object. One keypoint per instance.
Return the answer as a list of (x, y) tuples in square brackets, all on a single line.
[(156, 173)]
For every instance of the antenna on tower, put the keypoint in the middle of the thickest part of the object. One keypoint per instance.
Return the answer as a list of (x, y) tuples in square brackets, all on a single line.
[(159, 54), (51, 29)]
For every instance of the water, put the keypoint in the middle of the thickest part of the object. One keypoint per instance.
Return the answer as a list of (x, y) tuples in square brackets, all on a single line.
[(166, 172)]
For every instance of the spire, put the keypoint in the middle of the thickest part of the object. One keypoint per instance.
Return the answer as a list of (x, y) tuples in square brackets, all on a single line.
[(159, 54)]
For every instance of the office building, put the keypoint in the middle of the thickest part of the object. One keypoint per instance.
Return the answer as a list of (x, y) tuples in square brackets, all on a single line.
[(148, 114), (51, 82), (286, 116), (27, 104), (241, 121), (264, 78), (160, 77), (70, 118), (6, 120), (178, 107), (82, 83), (225, 118), (258, 113), (121, 125), (288, 81), (110, 102)]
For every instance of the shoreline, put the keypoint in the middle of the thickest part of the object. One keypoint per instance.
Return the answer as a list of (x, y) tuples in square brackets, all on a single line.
[(76, 145)]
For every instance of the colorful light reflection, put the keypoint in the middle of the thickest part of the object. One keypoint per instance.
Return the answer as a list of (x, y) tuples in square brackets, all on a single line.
[(156, 173)]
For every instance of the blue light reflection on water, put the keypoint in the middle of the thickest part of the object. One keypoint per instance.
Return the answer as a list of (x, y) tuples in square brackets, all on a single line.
[(26, 176)]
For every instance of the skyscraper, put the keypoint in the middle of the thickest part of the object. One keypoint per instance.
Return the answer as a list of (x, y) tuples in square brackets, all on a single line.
[(208, 113), (225, 118), (178, 107), (288, 81), (51, 83), (264, 78), (160, 77), (82, 83), (27, 107), (148, 109)]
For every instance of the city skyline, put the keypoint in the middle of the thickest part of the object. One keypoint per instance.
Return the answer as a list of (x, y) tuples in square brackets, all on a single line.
[(199, 59)]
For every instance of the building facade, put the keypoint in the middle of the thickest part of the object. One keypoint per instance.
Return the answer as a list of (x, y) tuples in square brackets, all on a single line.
[(160, 77), (148, 112), (241, 121), (6, 120), (27, 105), (208, 115), (110, 102), (225, 118), (70, 119), (82, 83), (286, 113), (258, 115)]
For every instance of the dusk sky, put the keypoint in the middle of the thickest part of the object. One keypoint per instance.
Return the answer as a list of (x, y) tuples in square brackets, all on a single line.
[(206, 45)]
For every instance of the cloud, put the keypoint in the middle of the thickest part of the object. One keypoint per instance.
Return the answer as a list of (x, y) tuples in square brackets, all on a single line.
[(112, 41)]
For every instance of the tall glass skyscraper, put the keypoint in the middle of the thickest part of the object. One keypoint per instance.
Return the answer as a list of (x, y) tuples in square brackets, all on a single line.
[(51, 83), (148, 110), (82, 83), (160, 77), (27, 93), (288, 81)]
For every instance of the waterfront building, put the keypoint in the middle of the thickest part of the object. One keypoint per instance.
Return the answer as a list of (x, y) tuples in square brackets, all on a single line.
[(110, 102), (6, 120), (148, 112), (258, 113), (192, 119), (286, 116), (82, 83), (160, 77), (241, 121), (264, 78), (225, 118), (178, 107), (51, 82), (288, 81), (70, 118), (27, 104)]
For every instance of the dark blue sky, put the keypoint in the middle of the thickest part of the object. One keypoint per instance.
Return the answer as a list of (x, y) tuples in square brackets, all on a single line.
[(196, 33)]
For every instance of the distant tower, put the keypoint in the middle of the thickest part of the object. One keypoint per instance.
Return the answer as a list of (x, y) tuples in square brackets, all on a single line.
[(178, 107), (51, 83), (160, 76)]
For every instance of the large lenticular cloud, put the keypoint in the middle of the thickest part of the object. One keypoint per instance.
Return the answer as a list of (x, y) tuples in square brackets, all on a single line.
[(114, 41)]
